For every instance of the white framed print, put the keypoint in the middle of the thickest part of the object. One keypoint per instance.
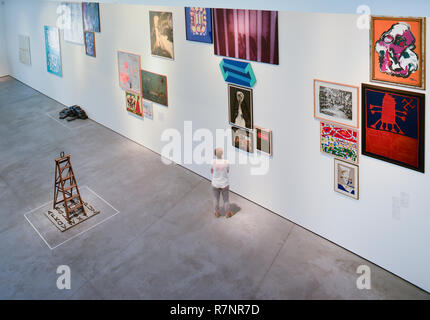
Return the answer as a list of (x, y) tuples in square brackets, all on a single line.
[(346, 178), (336, 102)]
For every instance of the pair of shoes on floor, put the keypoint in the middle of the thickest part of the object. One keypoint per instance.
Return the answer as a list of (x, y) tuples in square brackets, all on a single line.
[(73, 113), (227, 215)]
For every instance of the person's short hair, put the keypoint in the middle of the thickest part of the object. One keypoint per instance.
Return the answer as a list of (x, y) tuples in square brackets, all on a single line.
[(218, 152)]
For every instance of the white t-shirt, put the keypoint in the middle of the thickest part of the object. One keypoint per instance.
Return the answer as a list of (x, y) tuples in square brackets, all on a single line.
[(220, 173)]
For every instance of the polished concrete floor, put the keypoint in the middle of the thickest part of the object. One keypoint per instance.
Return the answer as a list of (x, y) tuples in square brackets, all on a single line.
[(165, 243)]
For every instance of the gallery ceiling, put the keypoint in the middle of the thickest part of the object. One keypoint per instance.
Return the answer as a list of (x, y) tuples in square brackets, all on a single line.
[(377, 7)]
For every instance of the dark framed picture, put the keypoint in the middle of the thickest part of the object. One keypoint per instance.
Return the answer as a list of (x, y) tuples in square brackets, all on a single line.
[(393, 126), (398, 50), (240, 107), (264, 140), (242, 139), (346, 178), (90, 43), (198, 24)]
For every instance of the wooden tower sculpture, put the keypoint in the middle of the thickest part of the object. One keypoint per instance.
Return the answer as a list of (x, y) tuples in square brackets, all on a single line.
[(66, 189)]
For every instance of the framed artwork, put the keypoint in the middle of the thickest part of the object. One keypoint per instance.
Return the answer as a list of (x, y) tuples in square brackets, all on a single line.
[(346, 178), (242, 139), (264, 140), (198, 24), (161, 29), (73, 29), (246, 34), (336, 102), (147, 109), (90, 43), (397, 51), (91, 16), (340, 142), (240, 107), (24, 49), (129, 71), (393, 126), (53, 51), (133, 103), (154, 87)]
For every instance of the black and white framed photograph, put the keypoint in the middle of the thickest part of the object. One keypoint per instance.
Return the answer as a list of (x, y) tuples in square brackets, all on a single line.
[(346, 178), (240, 107), (336, 102)]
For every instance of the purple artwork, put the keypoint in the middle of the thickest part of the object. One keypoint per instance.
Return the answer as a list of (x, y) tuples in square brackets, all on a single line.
[(395, 49), (246, 34)]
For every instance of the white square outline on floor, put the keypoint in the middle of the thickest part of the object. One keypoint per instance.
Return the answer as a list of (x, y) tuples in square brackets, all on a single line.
[(78, 127), (80, 233)]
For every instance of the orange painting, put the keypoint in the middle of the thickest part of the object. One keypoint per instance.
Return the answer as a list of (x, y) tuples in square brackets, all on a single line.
[(397, 51)]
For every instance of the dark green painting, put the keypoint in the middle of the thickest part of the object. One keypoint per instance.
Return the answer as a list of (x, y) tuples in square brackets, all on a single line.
[(154, 87)]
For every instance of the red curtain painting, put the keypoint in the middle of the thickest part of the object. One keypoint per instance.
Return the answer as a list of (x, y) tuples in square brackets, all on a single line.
[(246, 34)]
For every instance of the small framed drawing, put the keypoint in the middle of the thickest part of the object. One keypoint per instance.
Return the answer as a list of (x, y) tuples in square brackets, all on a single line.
[(336, 102), (398, 51), (264, 140), (240, 107), (340, 142), (346, 178), (147, 109), (242, 139), (90, 44), (134, 103), (198, 24)]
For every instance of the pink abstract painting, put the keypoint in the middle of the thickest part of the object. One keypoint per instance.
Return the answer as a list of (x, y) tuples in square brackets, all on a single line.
[(246, 34)]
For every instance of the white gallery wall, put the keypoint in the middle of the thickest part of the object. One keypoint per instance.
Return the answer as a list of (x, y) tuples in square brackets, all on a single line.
[(4, 64), (299, 184)]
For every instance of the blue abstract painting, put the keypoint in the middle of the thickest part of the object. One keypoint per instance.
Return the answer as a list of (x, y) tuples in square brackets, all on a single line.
[(90, 44), (198, 24), (237, 72), (91, 15), (53, 52)]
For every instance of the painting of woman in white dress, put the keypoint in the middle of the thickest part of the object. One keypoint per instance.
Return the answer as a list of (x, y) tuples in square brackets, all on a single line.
[(240, 107)]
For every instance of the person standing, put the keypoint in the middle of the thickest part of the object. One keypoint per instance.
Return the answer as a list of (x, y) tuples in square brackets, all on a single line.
[(220, 182)]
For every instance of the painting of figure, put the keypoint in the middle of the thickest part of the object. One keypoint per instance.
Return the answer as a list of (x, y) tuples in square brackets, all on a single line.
[(240, 107), (161, 29), (246, 34), (53, 51), (129, 71), (198, 24), (336, 103), (397, 53), (91, 16), (393, 126), (154, 87), (346, 178)]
